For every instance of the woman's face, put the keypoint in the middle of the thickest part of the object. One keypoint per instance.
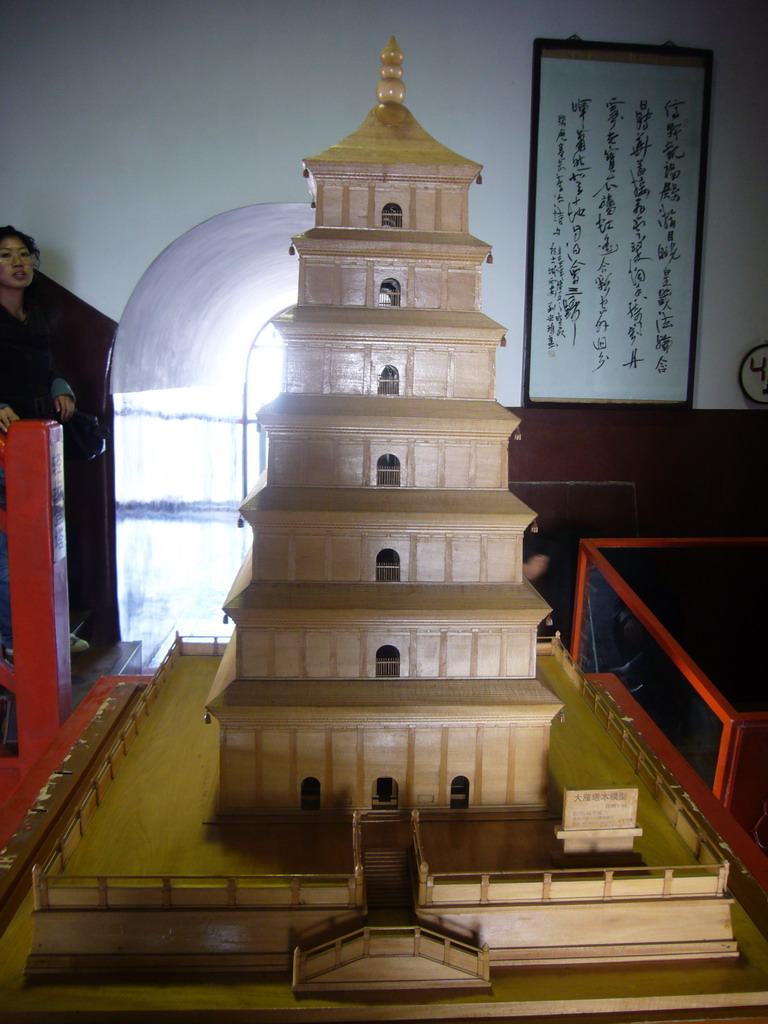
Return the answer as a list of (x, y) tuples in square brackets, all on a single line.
[(16, 264)]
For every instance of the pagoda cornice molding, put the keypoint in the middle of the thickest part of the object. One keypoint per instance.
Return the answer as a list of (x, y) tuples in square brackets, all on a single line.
[(392, 244), (380, 717), (430, 702), (416, 524), (458, 176), (479, 692), (412, 620), (469, 510), (391, 415), (416, 605), (373, 324)]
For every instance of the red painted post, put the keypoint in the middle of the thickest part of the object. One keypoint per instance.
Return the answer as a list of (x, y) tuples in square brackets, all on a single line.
[(32, 453)]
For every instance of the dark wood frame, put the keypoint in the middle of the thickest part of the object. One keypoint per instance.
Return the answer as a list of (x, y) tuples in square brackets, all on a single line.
[(655, 390)]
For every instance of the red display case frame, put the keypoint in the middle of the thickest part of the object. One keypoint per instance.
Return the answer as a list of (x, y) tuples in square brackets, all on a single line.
[(741, 773)]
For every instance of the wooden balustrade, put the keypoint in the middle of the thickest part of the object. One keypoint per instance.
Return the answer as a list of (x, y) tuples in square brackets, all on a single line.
[(390, 942), (173, 891), (582, 884)]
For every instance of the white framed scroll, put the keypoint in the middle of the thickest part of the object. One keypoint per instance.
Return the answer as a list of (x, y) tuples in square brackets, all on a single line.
[(618, 163)]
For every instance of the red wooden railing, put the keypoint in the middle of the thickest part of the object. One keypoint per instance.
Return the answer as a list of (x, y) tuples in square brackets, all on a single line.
[(33, 519)]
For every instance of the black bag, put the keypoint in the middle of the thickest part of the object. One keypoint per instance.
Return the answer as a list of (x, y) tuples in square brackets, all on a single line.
[(84, 436)]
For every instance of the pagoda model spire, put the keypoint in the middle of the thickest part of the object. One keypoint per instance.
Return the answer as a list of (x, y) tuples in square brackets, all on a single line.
[(390, 135), (390, 92)]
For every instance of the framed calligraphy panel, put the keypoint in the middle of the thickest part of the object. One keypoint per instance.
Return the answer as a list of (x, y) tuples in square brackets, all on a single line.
[(618, 162)]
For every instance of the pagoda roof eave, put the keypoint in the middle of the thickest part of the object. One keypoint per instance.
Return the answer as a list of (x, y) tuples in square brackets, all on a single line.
[(433, 697), (376, 145), (461, 242), (440, 323), (392, 413), (469, 508), (323, 600)]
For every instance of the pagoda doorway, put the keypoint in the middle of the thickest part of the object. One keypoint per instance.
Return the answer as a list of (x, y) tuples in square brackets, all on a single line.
[(385, 793)]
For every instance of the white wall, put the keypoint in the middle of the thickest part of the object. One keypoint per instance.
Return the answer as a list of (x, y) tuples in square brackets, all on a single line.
[(128, 122)]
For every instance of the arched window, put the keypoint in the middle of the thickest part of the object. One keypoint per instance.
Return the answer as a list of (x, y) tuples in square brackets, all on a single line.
[(385, 793), (387, 565), (310, 794), (263, 374), (460, 792), (389, 292), (388, 471), (392, 216), (387, 661), (389, 381)]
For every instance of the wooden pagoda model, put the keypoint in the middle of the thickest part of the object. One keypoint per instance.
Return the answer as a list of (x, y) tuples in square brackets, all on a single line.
[(385, 644)]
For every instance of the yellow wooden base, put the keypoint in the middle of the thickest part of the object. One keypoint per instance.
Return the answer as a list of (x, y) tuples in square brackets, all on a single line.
[(153, 821)]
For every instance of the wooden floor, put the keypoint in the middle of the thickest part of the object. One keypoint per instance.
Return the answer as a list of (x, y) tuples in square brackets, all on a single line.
[(157, 818)]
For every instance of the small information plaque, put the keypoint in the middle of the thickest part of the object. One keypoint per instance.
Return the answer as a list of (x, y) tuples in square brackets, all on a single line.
[(57, 495), (599, 823), (600, 808)]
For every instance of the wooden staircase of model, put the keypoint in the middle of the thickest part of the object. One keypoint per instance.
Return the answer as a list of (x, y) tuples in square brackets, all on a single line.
[(387, 877)]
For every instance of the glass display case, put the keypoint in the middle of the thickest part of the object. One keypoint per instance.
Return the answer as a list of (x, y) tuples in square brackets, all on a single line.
[(678, 622)]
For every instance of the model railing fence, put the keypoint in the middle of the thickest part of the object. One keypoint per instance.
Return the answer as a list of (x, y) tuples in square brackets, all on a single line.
[(390, 942), (116, 891), (55, 889), (568, 884)]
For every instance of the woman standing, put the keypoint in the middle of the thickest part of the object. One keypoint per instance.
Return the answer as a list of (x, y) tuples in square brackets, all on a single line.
[(29, 388)]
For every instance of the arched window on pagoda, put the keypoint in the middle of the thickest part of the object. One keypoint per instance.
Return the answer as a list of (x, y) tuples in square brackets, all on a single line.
[(392, 216), (310, 794), (387, 662), (388, 471), (387, 565), (460, 792), (389, 292), (389, 381)]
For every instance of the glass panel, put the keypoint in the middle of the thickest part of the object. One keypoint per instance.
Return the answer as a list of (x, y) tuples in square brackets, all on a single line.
[(613, 640), (707, 596), (178, 487)]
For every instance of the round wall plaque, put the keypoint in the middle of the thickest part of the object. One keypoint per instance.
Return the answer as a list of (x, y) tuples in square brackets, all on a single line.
[(753, 374)]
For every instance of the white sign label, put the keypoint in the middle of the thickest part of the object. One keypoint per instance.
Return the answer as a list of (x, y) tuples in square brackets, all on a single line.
[(600, 808)]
